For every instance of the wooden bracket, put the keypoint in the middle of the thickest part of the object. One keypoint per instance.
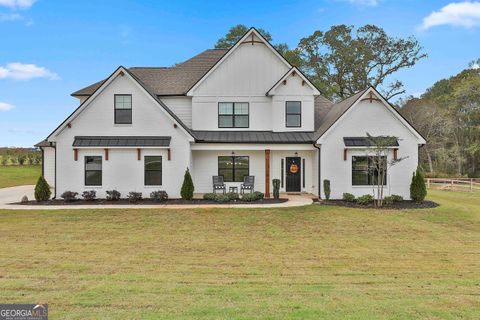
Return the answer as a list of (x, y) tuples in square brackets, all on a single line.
[(106, 154), (303, 82), (69, 125), (345, 154), (121, 73), (285, 82), (139, 154), (169, 154), (371, 98), (75, 154), (175, 125), (395, 154), (294, 73)]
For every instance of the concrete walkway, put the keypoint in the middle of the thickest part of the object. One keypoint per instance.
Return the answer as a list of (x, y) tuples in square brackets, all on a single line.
[(14, 194)]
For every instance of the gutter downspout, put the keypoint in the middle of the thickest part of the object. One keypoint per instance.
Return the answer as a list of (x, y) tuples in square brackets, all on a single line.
[(319, 170)]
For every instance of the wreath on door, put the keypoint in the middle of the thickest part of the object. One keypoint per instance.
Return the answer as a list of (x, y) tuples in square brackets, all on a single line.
[(293, 168)]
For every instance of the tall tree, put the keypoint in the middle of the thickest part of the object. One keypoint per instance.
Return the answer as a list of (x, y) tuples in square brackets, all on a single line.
[(343, 61), (448, 115), (236, 33)]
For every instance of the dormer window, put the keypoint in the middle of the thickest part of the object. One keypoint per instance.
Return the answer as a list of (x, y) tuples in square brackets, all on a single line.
[(293, 114), (233, 115), (123, 109)]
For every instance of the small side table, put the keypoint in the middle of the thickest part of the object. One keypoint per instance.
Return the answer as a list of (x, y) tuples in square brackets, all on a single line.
[(233, 189)]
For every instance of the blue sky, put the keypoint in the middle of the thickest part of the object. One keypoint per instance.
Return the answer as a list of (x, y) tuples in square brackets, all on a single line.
[(48, 49)]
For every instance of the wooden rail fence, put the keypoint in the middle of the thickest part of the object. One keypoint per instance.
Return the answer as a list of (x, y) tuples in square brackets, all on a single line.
[(455, 184)]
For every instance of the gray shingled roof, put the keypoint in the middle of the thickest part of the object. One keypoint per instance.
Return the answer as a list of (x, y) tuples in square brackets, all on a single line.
[(366, 142), (45, 143), (253, 137), (121, 141), (176, 80)]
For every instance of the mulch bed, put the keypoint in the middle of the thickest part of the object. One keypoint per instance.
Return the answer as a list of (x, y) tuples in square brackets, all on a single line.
[(406, 204), (60, 202)]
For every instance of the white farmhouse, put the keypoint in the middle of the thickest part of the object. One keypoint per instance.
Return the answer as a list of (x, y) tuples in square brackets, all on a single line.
[(242, 112)]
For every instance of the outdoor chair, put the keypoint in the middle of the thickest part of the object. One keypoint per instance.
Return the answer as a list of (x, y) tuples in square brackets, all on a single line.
[(248, 184), (218, 184)]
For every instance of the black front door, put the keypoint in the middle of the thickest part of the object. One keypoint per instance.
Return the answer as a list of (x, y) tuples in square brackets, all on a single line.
[(293, 169)]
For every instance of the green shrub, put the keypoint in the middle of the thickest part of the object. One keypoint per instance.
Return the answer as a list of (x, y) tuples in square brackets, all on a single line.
[(258, 195), (134, 197), (348, 197), (249, 197), (113, 195), (326, 188), (396, 198), (187, 186), (232, 196), (276, 188), (388, 200), (89, 195), (222, 198), (159, 196), (69, 196), (418, 190), (42, 190), (210, 196), (365, 199)]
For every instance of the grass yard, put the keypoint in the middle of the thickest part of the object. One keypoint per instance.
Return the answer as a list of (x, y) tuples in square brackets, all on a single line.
[(11, 176), (304, 263)]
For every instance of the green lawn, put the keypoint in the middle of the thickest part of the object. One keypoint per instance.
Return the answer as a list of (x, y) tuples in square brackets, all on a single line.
[(303, 263), (11, 176)]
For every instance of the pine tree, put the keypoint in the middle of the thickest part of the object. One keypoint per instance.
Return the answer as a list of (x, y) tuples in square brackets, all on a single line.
[(42, 190), (418, 189), (187, 186)]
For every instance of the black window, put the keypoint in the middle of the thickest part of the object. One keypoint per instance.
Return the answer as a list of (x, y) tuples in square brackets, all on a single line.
[(293, 117), (233, 114), (123, 109), (153, 170), (233, 168), (365, 170), (93, 171)]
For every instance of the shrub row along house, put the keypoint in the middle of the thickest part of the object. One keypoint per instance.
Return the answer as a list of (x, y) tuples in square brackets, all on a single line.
[(231, 113)]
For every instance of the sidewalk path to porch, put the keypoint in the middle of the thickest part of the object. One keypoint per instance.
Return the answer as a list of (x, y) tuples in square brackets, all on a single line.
[(14, 194)]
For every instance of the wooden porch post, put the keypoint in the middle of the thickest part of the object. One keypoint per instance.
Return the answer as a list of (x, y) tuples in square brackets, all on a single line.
[(267, 173)]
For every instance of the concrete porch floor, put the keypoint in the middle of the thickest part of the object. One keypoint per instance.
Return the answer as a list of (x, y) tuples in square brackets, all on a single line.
[(14, 194)]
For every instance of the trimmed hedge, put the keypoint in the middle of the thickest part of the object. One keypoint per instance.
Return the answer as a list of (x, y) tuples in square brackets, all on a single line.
[(69, 196), (134, 197), (113, 195), (348, 197), (89, 195), (159, 196), (365, 199)]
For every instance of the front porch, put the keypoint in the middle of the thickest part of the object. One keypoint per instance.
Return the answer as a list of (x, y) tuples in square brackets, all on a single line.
[(296, 166)]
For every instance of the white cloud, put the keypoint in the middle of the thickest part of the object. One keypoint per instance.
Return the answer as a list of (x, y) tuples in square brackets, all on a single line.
[(22, 71), (475, 66), (23, 131), (464, 14), (10, 17), (368, 3), (6, 106), (14, 4)]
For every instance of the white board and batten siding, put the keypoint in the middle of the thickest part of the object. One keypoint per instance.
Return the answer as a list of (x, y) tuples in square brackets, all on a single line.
[(122, 171), (49, 165), (181, 106), (245, 76), (376, 119)]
